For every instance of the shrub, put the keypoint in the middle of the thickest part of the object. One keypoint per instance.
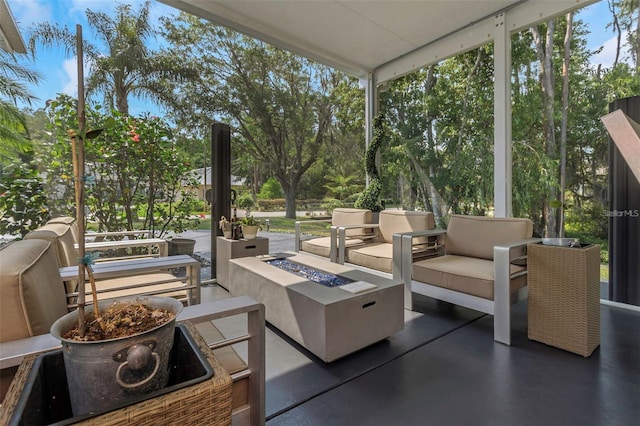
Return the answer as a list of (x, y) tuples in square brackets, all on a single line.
[(270, 190)]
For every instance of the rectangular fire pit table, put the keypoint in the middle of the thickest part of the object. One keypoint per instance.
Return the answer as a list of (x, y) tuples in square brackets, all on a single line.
[(331, 322)]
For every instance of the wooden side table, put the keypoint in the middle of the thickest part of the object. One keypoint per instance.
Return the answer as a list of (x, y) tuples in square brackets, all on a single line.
[(564, 296), (227, 249)]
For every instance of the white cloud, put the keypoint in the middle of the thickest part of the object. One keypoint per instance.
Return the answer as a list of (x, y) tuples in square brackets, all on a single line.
[(70, 83), (607, 55), (29, 12)]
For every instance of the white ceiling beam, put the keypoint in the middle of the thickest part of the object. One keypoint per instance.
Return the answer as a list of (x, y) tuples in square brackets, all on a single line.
[(10, 37), (522, 15)]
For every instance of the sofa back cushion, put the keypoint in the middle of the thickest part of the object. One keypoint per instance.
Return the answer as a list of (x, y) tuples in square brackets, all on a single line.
[(396, 221), (475, 236), (60, 235), (67, 220), (32, 295), (345, 216)]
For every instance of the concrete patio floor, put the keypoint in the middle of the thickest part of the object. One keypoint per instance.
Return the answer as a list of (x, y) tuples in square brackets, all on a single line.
[(445, 369)]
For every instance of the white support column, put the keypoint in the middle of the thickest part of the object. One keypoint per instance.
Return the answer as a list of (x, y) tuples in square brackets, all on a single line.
[(502, 118), (370, 109)]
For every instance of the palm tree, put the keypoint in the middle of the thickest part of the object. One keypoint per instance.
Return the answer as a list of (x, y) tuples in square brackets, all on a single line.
[(128, 67), (13, 125)]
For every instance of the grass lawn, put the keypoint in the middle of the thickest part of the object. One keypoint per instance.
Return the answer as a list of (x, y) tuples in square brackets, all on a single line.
[(284, 225)]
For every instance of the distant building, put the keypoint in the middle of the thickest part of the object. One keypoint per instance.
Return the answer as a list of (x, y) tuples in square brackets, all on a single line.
[(204, 178)]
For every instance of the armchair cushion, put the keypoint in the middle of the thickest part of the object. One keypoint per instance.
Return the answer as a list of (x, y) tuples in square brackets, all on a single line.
[(31, 290), (69, 221), (115, 286), (346, 216), (463, 274), (398, 221), (378, 254), (321, 246), (60, 235), (475, 236)]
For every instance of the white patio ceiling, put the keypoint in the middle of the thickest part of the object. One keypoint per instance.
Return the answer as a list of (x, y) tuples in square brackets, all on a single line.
[(380, 40), (361, 36)]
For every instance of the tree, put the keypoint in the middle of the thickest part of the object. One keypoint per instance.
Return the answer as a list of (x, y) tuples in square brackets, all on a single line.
[(544, 49), (128, 67), (14, 132), (279, 105)]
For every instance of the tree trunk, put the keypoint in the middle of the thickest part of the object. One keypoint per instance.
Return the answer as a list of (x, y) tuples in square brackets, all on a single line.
[(544, 50), (565, 113), (290, 202), (440, 208)]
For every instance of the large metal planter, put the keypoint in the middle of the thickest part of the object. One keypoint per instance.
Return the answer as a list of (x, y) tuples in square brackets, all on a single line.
[(103, 374)]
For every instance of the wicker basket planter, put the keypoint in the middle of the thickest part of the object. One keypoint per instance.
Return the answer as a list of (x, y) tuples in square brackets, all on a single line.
[(564, 296), (199, 392)]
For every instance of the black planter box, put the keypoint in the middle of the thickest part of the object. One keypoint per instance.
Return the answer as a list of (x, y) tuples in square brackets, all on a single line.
[(45, 396)]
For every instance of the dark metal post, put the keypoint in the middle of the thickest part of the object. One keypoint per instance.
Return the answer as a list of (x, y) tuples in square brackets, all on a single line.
[(624, 220), (220, 182)]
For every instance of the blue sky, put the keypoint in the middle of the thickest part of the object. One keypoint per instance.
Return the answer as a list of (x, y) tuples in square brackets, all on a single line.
[(59, 70)]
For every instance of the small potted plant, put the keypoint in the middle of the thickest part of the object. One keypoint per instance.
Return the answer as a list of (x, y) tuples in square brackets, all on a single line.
[(225, 227), (250, 227)]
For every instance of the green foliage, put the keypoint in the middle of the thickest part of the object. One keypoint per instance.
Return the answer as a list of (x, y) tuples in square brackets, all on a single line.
[(23, 203), (125, 66), (341, 186), (251, 221), (279, 104), (134, 167), (245, 201), (14, 132), (270, 189)]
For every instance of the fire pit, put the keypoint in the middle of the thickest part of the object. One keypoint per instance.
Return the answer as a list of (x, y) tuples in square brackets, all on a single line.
[(320, 277), (350, 310)]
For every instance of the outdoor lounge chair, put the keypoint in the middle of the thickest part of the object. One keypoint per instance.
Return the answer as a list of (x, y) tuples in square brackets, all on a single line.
[(152, 276), (377, 251), (481, 265), (63, 232), (327, 246)]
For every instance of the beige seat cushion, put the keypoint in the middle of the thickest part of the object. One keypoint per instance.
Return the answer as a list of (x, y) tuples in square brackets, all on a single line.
[(463, 274), (31, 291), (378, 254), (147, 279), (321, 246), (475, 236)]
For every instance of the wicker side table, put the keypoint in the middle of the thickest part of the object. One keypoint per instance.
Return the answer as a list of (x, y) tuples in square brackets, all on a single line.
[(564, 296), (208, 402)]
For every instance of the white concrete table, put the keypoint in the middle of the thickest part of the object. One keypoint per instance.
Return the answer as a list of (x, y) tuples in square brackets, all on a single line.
[(329, 321)]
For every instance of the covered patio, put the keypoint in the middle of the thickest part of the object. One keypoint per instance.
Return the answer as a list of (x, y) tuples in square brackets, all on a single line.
[(444, 367)]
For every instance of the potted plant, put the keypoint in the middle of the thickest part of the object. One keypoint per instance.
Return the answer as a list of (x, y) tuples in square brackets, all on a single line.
[(225, 227), (250, 227), (104, 369)]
